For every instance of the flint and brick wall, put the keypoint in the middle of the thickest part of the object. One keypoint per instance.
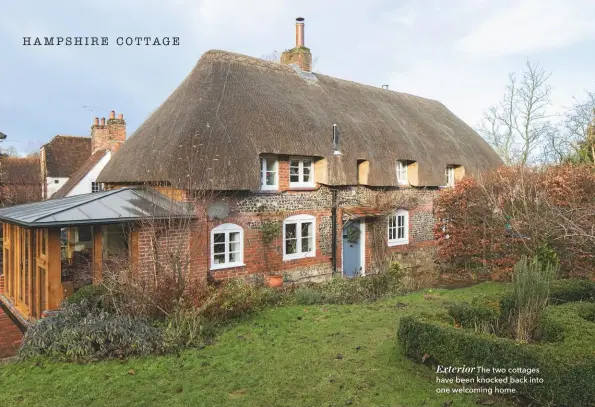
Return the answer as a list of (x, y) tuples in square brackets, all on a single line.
[(249, 210)]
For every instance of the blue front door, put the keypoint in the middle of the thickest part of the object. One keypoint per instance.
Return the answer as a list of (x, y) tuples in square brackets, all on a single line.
[(352, 248)]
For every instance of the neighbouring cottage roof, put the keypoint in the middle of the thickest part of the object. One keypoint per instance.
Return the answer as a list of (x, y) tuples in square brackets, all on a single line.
[(79, 174), (115, 206), (65, 154), (20, 171), (231, 108)]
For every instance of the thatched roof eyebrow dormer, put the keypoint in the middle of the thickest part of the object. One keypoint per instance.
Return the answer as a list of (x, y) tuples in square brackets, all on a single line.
[(231, 108)]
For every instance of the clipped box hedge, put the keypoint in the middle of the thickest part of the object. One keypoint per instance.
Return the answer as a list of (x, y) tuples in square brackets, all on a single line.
[(568, 371), (561, 292)]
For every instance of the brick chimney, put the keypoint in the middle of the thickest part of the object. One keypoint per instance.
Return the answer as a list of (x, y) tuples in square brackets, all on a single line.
[(299, 55), (108, 136)]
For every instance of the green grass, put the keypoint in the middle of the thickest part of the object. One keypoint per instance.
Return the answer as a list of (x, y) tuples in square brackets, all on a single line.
[(287, 356)]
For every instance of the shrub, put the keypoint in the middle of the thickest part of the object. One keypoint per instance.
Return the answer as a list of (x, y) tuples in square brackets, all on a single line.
[(491, 221), (568, 371), (562, 291), (340, 290), (308, 296), (81, 332), (187, 328), (570, 322), (531, 289), (93, 295), (479, 317), (236, 298)]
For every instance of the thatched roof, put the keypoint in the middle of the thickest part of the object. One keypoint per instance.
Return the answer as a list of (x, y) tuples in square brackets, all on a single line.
[(231, 108), (65, 154)]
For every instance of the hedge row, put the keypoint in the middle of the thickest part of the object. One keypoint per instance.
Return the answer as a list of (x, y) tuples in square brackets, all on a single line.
[(568, 372), (561, 292), (571, 322)]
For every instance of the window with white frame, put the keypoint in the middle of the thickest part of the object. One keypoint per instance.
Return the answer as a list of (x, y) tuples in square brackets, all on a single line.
[(269, 173), (299, 237), (96, 186), (301, 172), (450, 175), (398, 228), (227, 246), (402, 178)]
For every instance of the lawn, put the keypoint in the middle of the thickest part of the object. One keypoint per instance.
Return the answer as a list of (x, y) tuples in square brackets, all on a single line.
[(288, 356)]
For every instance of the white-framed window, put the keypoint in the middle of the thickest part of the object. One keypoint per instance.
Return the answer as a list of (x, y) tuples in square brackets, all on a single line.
[(398, 228), (96, 186), (402, 178), (227, 246), (299, 237), (269, 173), (301, 172), (450, 175)]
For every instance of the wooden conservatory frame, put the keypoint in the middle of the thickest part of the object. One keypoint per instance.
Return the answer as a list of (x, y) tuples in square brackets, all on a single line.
[(32, 268), (32, 242)]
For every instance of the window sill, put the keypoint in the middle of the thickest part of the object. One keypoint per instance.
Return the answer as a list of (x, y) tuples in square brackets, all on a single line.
[(226, 266), (398, 243), (303, 187), (298, 256)]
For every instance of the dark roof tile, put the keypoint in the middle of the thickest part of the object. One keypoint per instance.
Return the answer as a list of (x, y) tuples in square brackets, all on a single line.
[(65, 154), (79, 174)]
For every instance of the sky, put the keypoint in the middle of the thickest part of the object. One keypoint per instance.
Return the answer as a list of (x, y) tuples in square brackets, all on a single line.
[(459, 52)]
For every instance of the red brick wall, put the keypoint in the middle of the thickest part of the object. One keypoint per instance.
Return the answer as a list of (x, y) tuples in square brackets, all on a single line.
[(160, 245), (108, 136), (10, 336)]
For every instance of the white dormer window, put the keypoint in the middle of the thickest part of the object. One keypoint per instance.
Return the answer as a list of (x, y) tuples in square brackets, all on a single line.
[(301, 172), (269, 173), (398, 228), (402, 177), (450, 175)]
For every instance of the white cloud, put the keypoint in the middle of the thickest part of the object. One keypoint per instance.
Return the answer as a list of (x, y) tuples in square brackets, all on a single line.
[(529, 26), (415, 46)]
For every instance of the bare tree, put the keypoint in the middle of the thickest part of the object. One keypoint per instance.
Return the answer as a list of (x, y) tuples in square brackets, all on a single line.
[(519, 124)]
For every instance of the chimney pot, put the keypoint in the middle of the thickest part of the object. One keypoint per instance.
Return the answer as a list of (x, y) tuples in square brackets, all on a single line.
[(96, 121), (112, 115), (103, 121), (299, 32), (121, 116)]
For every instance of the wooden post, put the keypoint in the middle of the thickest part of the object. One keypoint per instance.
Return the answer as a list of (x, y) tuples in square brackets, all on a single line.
[(30, 270), (97, 254), (54, 269)]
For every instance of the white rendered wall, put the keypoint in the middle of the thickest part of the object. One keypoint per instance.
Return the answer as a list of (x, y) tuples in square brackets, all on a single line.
[(53, 186), (84, 185)]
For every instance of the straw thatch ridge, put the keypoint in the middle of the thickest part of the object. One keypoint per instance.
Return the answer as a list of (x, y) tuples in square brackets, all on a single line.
[(231, 108)]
